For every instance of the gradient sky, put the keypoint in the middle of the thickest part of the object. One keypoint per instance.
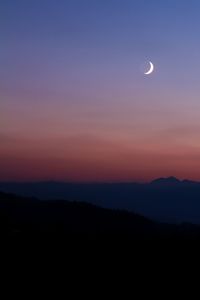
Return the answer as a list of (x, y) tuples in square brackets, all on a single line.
[(74, 102)]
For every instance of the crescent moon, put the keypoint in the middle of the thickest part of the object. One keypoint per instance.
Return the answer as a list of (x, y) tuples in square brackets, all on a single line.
[(151, 69)]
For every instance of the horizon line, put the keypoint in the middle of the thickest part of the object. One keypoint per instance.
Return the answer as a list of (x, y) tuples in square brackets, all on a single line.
[(99, 182)]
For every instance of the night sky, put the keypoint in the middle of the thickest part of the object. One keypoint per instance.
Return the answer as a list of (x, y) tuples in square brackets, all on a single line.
[(75, 104)]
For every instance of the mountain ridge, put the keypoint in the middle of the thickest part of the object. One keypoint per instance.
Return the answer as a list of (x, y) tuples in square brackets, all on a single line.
[(166, 180), (169, 179), (21, 215), (165, 199)]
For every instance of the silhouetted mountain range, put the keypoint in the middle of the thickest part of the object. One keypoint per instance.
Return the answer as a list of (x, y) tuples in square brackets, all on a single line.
[(29, 215), (163, 199), (173, 181), (166, 181)]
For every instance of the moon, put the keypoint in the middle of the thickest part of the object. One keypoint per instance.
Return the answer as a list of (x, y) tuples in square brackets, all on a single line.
[(151, 69)]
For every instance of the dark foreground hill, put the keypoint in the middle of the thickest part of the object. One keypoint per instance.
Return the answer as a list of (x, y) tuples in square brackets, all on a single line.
[(164, 199), (28, 215)]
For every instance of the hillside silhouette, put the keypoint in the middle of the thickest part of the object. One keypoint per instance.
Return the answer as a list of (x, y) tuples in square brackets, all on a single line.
[(30, 215), (20, 214), (165, 199)]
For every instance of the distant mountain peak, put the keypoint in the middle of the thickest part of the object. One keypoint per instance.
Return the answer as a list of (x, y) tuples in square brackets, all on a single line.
[(166, 181), (190, 182)]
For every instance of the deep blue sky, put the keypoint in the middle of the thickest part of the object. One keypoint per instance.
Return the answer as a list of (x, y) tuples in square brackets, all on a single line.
[(120, 31)]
